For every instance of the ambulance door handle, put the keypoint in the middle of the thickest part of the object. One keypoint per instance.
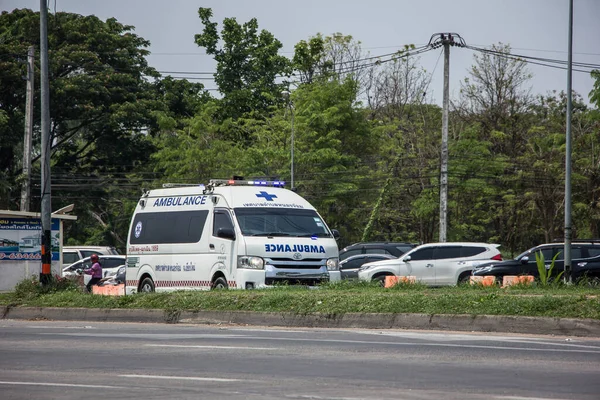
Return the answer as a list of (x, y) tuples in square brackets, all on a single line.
[(212, 246)]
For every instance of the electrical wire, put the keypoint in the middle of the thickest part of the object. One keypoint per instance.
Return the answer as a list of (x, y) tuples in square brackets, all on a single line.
[(546, 62)]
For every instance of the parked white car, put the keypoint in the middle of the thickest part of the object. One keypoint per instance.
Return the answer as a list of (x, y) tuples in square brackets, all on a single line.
[(110, 266), (71, 254), (434, 264)]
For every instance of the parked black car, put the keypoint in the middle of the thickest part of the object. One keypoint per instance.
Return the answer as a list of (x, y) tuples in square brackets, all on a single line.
[(349, 267), (389, 248), (585, 261)]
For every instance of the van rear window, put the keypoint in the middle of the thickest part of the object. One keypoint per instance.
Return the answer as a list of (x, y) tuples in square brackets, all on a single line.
[(168, 227)]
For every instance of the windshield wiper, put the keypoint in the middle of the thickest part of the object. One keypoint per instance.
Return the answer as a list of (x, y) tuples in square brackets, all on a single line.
[(272, 234), (319, 234)]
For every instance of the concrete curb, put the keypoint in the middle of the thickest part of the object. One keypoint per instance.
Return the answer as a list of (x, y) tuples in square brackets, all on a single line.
[(469, 323)]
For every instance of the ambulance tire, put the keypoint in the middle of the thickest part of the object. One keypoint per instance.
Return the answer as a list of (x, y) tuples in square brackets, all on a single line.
[(147, 286), (219, 283)]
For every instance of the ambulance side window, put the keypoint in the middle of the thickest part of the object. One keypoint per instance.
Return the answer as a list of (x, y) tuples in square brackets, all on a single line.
[(221, 219), (168, 227)]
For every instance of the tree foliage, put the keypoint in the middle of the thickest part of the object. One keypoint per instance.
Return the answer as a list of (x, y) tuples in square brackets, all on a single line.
[(248, 64), (102, 106)]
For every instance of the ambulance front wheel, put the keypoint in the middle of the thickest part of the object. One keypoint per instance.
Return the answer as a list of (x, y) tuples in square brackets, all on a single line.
[(147, 286), (219, 283)]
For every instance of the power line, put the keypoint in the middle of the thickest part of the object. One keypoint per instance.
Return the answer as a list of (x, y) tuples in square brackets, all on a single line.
[(546, 62), (543, 50)]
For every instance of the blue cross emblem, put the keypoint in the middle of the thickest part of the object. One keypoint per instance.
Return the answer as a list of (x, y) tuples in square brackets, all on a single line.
[(266, 196)]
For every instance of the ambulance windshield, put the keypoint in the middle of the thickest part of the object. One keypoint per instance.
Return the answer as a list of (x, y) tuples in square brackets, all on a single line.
[(281, 222)]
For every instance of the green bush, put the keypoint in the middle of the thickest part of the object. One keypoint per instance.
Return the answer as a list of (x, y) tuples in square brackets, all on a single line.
[(32, 287)]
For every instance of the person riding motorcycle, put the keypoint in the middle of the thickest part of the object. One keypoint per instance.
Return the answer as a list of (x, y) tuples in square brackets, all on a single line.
[(95, 271)]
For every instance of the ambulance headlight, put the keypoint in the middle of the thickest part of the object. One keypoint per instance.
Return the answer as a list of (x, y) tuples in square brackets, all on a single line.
[(333, 264), (251, 262)]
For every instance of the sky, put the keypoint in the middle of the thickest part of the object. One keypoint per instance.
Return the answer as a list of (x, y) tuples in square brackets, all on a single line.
[(536, 28)]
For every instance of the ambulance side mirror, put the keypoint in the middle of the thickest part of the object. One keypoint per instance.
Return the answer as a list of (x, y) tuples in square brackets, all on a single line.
[(336, 233), (226, 233)]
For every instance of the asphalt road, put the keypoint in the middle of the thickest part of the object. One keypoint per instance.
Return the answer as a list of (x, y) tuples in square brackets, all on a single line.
[(66, 360)]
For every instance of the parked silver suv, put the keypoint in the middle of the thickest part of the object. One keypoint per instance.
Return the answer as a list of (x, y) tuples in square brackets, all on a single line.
[(434, 264)]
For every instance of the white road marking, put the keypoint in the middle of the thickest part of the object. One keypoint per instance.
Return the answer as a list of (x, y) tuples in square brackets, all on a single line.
[(570, 347), (62, 385), (596, 350), (211, 347), (309, 396), (269, 330), (58, 327), (184, 378), (471, 338), (523, 398), (152, 336)]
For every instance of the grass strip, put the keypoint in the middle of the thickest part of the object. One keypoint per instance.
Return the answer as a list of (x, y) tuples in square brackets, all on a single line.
[(564, 301)]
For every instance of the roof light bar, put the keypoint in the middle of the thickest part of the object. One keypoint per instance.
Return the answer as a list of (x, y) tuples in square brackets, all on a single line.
[(232, 182), (174, 185)]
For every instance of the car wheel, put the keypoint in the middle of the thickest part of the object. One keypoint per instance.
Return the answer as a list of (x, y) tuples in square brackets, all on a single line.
[(219, 283), (464, 278), (380, 279), (147, 286)]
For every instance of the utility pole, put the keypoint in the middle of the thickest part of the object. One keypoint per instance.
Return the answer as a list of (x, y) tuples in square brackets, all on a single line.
[(286, 96), (46, 274), (26, 189), (567, 269), (446, 40), (292, 146)]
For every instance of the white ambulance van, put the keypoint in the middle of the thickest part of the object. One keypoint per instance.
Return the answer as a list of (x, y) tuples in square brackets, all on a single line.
[(228, 234)]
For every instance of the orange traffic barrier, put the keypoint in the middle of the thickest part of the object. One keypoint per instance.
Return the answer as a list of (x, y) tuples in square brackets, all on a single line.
[(394, 280), (109, 290), (509, 280), (390, 281), (488, 280), (407, 279)]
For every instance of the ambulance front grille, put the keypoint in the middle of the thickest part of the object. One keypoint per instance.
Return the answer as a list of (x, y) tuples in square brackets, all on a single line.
[(288, 263)]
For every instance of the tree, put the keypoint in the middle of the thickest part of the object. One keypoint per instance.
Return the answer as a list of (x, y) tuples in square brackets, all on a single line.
[(332, 57), (495, 96), (180, 98), (101, 110), (392, 87), (248, 65), (595, 92), (336, 150), (310, 59)]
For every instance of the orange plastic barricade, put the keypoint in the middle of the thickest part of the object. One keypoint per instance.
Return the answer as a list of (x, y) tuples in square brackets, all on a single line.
[(488, 280), (474, 280), (109, 290), (390, 281), (407, 279), (516, 279), (394, 280)]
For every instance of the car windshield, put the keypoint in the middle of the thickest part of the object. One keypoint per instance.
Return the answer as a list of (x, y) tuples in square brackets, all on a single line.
[(281, 222)]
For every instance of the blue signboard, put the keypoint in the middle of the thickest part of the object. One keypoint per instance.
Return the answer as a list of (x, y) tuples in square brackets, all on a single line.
[(21, 239)]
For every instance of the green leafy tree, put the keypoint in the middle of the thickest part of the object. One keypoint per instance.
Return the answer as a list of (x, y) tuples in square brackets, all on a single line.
[(336, 150), (180, 98), (496, 96), (101, 109), (248, 65), (310, 59)]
